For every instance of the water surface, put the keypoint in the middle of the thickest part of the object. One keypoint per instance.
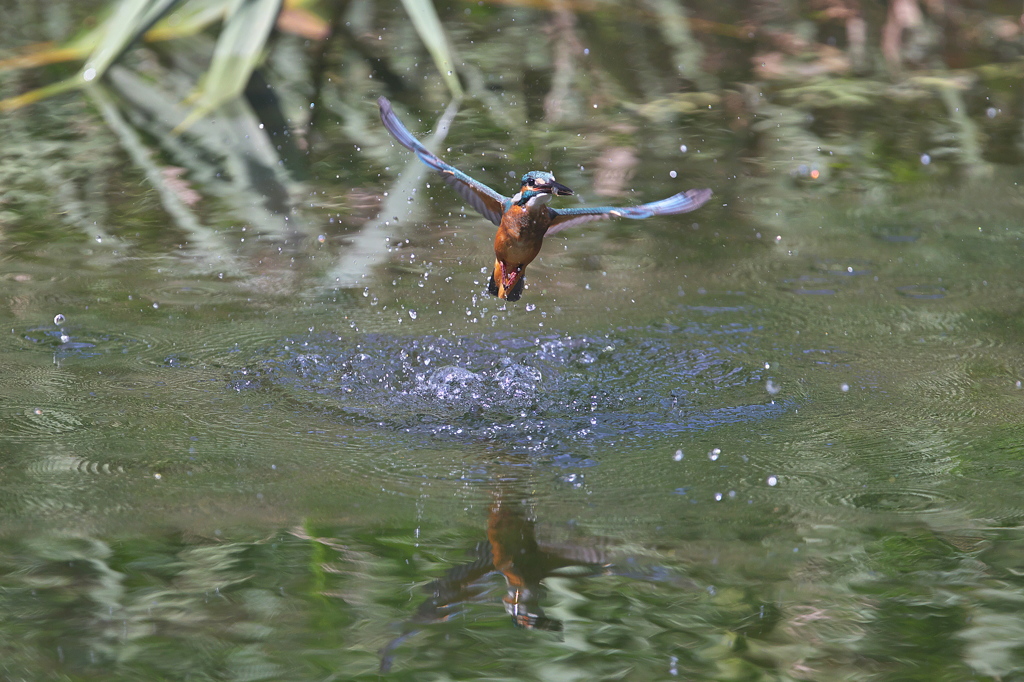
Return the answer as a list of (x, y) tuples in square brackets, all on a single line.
[(778, 438)]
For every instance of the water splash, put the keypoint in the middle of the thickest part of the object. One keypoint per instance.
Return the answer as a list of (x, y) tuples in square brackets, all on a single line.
[(550, 394)]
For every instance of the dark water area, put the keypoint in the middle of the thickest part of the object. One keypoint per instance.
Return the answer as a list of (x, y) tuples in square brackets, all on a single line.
[(260, 419)]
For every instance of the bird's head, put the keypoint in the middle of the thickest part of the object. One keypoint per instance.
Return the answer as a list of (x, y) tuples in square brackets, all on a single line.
[(539, 186)]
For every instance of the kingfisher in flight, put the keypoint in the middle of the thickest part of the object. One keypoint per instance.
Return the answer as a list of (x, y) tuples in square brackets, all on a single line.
[(524, 219)]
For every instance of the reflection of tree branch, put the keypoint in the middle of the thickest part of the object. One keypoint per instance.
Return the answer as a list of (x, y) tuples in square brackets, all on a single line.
[(675, 28), (369, 247), (230, 153), (970, 145), (614, 168), (205, 241), (318, 68), (75, 207), (565, 45), (903, 14), (381, 69)]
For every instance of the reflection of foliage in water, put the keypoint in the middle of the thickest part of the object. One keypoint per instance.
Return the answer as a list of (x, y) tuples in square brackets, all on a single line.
[(47, 165), (321, 601), (807, 79)]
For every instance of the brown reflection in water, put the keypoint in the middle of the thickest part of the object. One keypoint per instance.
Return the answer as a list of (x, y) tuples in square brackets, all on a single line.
[(512, 549)]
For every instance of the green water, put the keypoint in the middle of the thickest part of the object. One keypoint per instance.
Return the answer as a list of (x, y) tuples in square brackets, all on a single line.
[(778, 438)]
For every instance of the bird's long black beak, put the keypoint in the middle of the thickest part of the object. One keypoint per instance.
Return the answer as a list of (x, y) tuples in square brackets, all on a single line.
[(556, 188)]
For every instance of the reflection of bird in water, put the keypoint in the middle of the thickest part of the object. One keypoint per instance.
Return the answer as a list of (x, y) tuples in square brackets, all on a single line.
[(524, 219), (511, 549)]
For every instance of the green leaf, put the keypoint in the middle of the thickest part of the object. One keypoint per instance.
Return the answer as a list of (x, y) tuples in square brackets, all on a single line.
[(125, 25), (238, 52), (428, 26), (107, 42)]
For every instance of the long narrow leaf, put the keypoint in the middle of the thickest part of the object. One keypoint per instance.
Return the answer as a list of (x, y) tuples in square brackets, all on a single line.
[(117, 33), (123, 28), (428, 26), (33, 96), (238, 52), (190, 18)]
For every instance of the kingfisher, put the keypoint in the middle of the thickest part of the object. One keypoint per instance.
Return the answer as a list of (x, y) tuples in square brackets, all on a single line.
[(525, 218)]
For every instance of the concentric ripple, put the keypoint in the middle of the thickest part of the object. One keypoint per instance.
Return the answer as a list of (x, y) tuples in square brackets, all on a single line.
[(39, 423), (84, 343)]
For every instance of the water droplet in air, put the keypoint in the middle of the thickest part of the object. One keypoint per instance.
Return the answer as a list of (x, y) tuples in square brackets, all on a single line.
[(678, 456), (58, 319), (412, 314), (714, 454), (773, 480)]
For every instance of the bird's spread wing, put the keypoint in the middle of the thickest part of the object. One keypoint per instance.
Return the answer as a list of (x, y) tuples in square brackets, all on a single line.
[(683, 202), (478, 195)]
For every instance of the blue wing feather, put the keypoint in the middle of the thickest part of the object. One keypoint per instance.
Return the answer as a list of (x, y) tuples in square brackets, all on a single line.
[(478, 195), (683, 202)]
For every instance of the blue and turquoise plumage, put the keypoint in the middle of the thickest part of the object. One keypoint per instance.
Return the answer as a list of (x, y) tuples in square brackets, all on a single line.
[(524, 219), (481, 197), (683, 202)]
